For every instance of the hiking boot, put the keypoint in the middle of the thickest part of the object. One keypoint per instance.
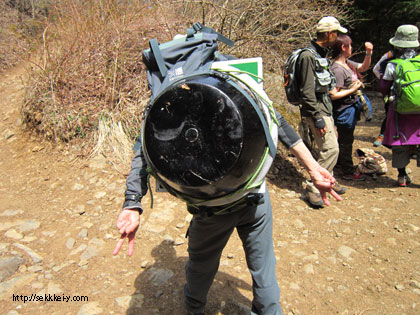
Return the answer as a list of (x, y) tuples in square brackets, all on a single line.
[(357, 177), (339, 189), (378, 141), (315, 199), (404, 180)]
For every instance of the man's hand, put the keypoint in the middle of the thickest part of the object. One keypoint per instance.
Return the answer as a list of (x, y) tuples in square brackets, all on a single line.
[(320, 126), (322, 131), (127, 224), (324, 181)]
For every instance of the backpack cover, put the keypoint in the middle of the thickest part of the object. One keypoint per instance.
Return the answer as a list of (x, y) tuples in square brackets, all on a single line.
[(370, 162), (186, 141), (407, 85), (324, 79)]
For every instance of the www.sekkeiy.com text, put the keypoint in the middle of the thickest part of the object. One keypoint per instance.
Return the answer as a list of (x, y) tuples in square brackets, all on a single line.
[(49, 298)]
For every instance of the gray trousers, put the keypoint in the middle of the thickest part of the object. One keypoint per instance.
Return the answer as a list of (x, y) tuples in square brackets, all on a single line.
[(208, 235), (401, 155)]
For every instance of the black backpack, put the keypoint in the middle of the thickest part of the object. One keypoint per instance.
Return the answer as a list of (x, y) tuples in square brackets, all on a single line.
[(324, 78)]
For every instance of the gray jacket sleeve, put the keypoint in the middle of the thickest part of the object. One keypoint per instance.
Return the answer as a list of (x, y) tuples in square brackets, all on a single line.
[(287, 135), (137, 180)]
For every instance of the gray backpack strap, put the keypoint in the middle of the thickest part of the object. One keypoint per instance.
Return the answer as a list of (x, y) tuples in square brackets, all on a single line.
[(205, 29), (154, 47)]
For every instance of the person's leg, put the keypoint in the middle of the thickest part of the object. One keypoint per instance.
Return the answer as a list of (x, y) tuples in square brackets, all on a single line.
[(255, 230), (207, 236), (400, 156), (327, 145), (380, 138), (417, 152), (345, 145), (400, 159)]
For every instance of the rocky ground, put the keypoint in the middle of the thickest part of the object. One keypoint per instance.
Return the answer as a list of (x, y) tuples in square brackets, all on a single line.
[(57, 218)]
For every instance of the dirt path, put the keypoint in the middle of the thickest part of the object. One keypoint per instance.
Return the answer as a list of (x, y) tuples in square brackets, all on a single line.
[(57, 215)]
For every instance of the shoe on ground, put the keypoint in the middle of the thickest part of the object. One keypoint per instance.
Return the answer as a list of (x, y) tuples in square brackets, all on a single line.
[(357, 177), (378, 141), (403, 180), (315, 199), (339, 189)]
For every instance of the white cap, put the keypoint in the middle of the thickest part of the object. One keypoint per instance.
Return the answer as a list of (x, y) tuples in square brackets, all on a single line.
[(328, 24)]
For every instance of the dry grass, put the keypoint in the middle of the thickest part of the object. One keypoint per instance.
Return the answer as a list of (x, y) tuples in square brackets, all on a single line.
[(13, 36), (112, 141), (268, 28), (271, 29), (89, 83), (89, 66)]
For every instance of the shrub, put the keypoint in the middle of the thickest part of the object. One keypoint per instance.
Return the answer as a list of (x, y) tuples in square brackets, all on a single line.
[(89, 70), (89, 66)]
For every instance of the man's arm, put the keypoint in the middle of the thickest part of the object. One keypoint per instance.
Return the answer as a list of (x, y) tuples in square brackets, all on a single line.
[(368, 58), (321, 178), (136, 184), (129, 218), (310, 106), (338, 92)]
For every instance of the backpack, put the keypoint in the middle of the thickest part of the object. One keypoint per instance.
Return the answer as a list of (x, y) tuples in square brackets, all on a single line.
[(406, 86), (185, 142), (370, 162), (324, 79)]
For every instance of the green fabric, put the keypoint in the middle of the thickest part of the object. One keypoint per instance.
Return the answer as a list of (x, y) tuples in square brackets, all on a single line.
[(407, 85)]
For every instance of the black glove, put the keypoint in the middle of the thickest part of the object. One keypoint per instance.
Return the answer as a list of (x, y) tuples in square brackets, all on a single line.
[(319, 123)]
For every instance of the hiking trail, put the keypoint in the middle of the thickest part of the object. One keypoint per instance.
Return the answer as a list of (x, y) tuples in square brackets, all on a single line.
[(57, 233)]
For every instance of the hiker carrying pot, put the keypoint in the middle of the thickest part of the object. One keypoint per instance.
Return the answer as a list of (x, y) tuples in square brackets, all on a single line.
[(193, 135)]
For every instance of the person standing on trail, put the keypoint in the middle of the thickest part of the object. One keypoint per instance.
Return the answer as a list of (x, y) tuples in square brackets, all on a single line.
[(316, 107), (402, 130), (210, 230), (383, 86), (347, 106)]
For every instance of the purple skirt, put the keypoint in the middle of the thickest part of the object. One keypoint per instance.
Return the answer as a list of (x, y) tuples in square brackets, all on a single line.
[(408, 129)]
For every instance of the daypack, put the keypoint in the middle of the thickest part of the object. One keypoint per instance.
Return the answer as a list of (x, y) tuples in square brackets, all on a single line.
[(324, 79), (406, 86), (370, 162), (182, 75)]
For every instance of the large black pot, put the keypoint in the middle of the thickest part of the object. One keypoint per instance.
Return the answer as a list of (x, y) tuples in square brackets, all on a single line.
[(203, 137)]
